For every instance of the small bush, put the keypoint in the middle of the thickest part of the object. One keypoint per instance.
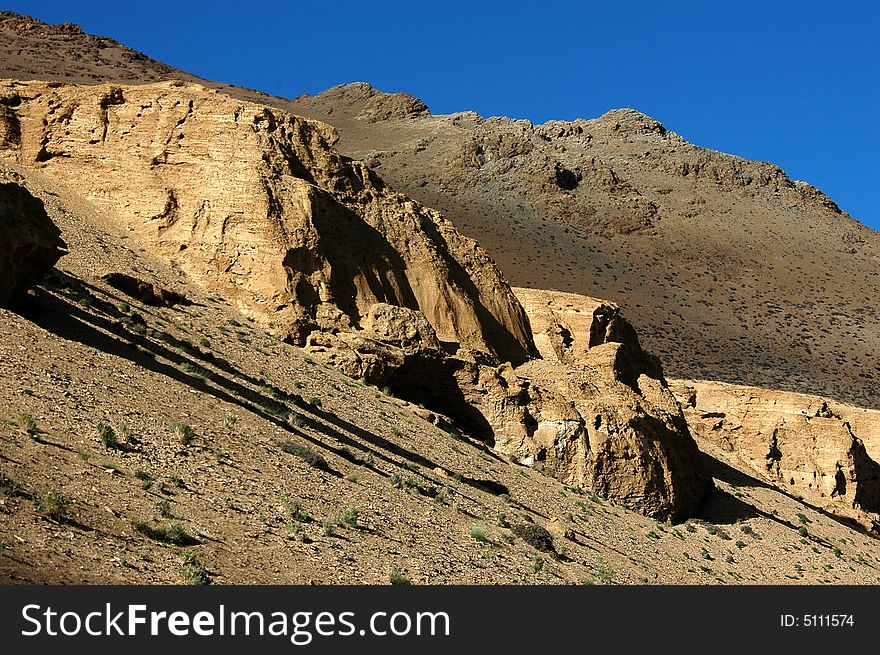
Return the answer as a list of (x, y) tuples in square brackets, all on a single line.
[(314, 402), (26, 423), (184, 432), (740, 543), (124, 307), (53, 505), (191, 570), (478, 532), (534, 535), (538, 564), (803, 531), (396, 576), (108, 437), (164, 509), (173, 533), (306, 454), (147, 479), (295, 510), (350, 517)]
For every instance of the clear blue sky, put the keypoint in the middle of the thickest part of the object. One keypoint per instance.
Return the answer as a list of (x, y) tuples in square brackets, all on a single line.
[(792, 82)]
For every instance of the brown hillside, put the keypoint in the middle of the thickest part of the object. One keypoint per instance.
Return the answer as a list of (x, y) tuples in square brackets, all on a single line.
[(729, 269)]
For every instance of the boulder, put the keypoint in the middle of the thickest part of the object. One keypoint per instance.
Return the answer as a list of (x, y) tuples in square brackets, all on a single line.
[(30, 243)]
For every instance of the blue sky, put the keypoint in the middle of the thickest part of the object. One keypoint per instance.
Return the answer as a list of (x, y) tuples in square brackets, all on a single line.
[(793, 82)]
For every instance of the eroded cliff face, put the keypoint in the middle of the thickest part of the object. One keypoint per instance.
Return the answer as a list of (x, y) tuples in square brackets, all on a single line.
[(804, 444), (602, 420), (256, 204)]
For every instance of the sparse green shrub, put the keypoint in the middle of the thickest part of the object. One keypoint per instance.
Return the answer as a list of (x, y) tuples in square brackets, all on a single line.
[(729, 559), (295, 510), (184, 432), (124, 307), (164, 509), (478, 532), (192, 571), (53, 505), (229, 420), (25, 422), (177, 481), (296, 419), (803, 531), (653, 535), (350, 517), (314, 401), (537, 564), (9, 487), (108, 437), (397, 577), (802, 518), (534, 535), (740, 543), (305, 453), (706, 554), (146, 478), (172, 533), (204, 343)]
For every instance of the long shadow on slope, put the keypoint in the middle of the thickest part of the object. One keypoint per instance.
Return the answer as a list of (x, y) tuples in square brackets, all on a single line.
[(723, 508), (72, 322)]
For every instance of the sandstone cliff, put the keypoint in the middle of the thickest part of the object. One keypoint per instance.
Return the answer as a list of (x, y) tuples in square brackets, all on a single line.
[(804, 444), (602, 420), (255, 203)]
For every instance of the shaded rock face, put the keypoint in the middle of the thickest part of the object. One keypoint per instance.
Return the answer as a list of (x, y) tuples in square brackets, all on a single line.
[(255, 203), (30, 243), (799, 443), (578, 421)]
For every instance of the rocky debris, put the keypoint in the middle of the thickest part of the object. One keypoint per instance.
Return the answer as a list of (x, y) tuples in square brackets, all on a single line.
[(30, 243), (797, 442), (255, 203), (146, 292)]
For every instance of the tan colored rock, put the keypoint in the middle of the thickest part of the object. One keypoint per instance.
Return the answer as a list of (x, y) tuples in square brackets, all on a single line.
[(804, 444), (256, 204), (607, 424), (30, 243)]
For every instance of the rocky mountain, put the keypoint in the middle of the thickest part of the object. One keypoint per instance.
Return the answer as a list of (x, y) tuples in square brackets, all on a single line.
[(257, 361), (728, 269)]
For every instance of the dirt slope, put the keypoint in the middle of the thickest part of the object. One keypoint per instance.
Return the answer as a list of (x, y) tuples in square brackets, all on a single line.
[(74, 355)]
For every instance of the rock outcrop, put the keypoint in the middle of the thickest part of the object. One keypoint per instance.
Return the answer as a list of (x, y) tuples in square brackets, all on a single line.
[(255, 203), (603, 420), (30, 243), (804, 444)]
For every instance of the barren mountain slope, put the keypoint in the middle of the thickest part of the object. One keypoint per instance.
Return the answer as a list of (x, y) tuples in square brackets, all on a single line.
[(728, 269), (251, 507)]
